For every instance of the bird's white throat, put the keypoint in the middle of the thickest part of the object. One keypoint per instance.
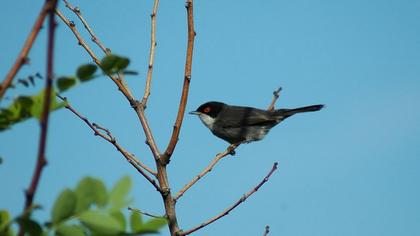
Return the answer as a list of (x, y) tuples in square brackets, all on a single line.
[(207, 120)]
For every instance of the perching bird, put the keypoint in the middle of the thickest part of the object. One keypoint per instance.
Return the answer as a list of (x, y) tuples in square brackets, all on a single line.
[(236, 124)]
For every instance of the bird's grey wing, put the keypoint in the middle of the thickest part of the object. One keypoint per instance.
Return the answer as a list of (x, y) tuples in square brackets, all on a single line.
[(246, 116)]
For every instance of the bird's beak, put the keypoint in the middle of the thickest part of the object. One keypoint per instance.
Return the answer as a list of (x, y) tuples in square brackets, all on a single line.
[(194, 113)]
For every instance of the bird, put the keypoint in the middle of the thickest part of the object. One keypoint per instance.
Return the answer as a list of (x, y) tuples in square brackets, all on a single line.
[(242, 124)]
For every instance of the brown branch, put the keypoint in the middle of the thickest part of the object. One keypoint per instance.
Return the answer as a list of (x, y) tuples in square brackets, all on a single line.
[(145, 213), (124, 89), (218, 157), (23, 55), (151, 54), (267, 230), (187, 78), (237, 203), (41, 160), (95, 39), (139, 166), (276, 95)]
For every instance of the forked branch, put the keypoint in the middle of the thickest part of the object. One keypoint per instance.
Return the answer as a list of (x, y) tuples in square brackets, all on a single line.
[(23, 55), (139, 166), (236, 204), (218, 157)]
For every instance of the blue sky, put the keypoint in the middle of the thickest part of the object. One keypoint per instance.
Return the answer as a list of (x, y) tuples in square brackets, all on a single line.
[(350, 169)]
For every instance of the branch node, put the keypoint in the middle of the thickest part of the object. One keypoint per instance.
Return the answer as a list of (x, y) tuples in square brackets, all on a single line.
[(77, 10), (72, 24)]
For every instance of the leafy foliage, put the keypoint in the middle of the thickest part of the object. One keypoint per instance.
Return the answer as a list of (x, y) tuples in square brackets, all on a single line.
[(25, 107), (89, 209)]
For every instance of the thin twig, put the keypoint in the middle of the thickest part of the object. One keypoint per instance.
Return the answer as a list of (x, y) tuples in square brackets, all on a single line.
[(151, 53), (41, 160), (185, 88), (95, 39), (23, 55), (95, 59), (237, 203), (218, 157), (276, 95), (139, 166), (144, 213), (124, 89), (267, 230)]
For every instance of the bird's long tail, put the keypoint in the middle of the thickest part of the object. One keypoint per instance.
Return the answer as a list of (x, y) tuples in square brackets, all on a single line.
[(290, 112)]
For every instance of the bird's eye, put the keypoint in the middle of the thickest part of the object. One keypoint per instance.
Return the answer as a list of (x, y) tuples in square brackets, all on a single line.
[(207, 110)]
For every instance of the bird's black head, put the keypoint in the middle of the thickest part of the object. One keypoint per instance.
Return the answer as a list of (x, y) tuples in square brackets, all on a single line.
[(211, 109)]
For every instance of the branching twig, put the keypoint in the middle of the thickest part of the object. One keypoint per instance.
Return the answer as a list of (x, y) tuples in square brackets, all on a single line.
[(187, 78), (95, 59), (267, 230), (276, 95), (237, 203), (124, 89), (151, 53), (23, 55), (95, 39), (145, 213), (41, 160), (139, 166), (218, 157)]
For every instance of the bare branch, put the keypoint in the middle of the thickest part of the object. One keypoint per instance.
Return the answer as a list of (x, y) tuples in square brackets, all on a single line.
[(276, 95), (41, 160), (151, 54), (95, 39), (145, 213), (218, 157), (237, 203), (124, 89), (23, 55), (187, 78), (267, 230), (139, 166)]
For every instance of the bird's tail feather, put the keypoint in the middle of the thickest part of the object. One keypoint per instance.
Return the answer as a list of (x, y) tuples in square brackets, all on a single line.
[(290, 112)]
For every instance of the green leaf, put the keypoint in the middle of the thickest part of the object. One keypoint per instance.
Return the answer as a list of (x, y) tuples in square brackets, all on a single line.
[(70, 230), (119, 216), (118, 194), (153, 225), (37, 106), (86, 72), (64, 83), (108, 63), (90, 191), (136, 221), (4, 219), (64, 206), (30, 226), (122, 63), (101, 223)]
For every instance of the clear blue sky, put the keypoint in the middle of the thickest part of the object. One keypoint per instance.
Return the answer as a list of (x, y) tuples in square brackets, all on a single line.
[(351, 169)]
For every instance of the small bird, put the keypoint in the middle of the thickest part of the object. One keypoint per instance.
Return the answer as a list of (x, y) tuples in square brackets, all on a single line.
[(237, 124)]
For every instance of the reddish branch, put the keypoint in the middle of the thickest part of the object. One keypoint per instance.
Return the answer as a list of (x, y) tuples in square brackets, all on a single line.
[(187, 78), (41, 160), (23, 56), (237, 203)]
